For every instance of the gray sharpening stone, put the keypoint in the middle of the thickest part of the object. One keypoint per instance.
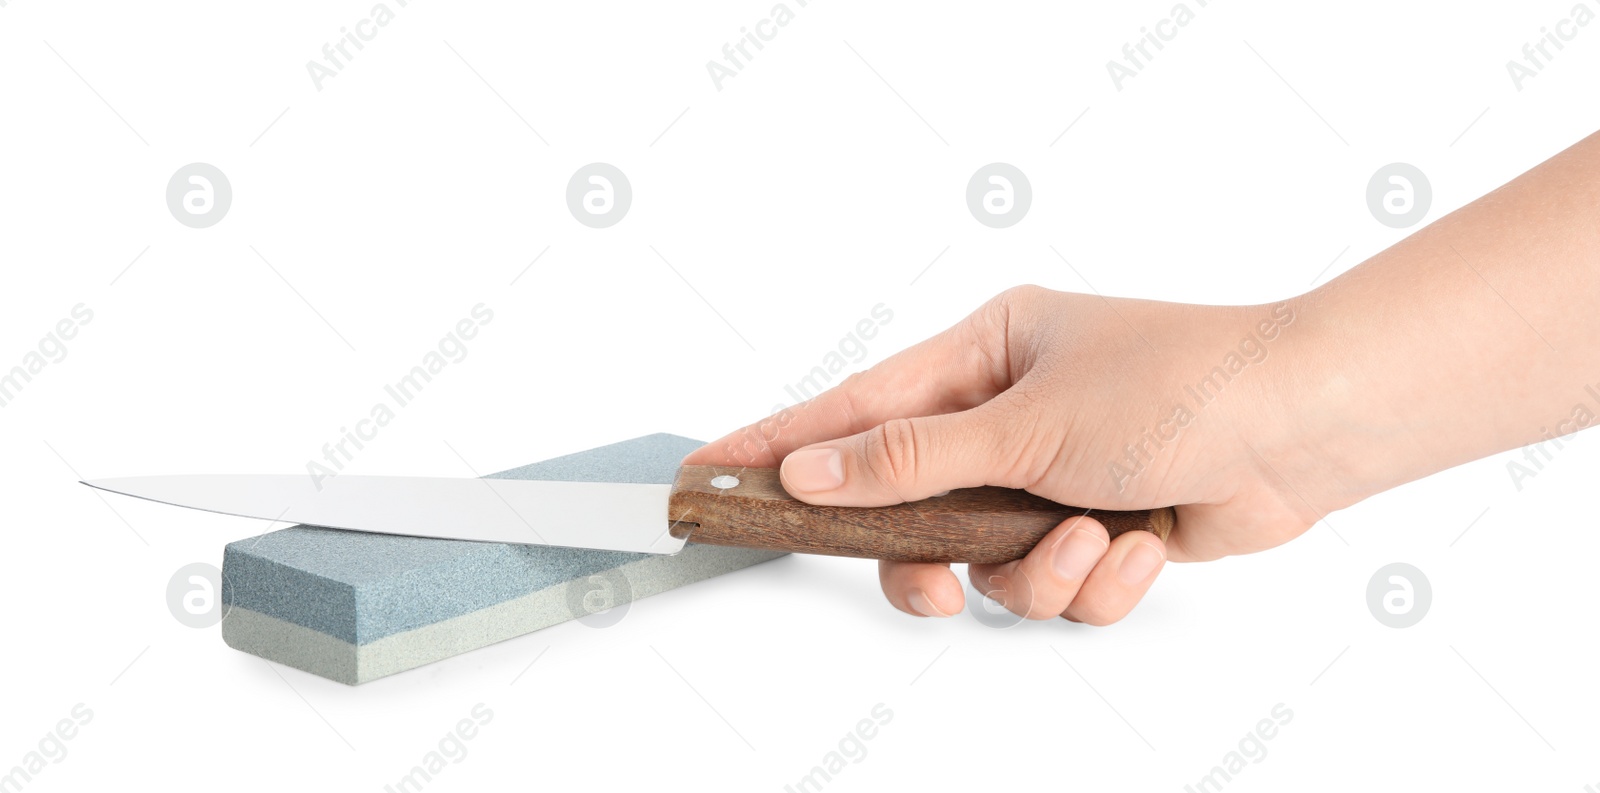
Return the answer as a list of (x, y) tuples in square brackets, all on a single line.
[(354, 607)]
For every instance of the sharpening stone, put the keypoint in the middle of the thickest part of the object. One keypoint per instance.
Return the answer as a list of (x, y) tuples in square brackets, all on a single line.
[(353, 607)]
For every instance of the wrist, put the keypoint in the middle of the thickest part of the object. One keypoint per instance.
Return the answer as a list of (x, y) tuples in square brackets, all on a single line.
[(1333, 433)]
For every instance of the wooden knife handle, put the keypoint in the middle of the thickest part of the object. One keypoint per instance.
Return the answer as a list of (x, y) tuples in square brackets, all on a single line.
[(983, 525)]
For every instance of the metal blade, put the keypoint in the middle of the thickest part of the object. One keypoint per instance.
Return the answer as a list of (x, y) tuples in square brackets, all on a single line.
[(596, 515)]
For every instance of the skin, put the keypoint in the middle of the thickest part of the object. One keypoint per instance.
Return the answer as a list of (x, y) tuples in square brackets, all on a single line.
[(1473, 336)]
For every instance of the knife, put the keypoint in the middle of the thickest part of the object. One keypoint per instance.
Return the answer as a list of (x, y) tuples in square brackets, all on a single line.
[(743, 507)]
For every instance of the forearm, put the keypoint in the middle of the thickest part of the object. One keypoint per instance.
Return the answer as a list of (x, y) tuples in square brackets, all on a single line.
[(1477, 334)]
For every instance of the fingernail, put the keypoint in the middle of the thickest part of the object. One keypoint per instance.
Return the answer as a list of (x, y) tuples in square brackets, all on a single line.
[(1077, 554), (1139, 563), (922, 604), (813, 470)]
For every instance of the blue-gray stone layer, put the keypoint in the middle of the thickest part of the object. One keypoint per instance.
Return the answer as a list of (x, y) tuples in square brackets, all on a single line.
[(352, 606)]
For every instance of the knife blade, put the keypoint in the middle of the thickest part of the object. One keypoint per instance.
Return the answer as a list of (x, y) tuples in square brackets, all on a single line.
[(596, 515), (745, 507)]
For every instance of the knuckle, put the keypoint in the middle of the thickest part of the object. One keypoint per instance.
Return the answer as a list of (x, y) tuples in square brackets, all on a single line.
[(1040, 603), (1024, 293), (1024, 598), (1038, 611), (843, 401), (852, 382), (1022, 301), (999, 328), (892, 450), (1017, 598), (1095, 611)]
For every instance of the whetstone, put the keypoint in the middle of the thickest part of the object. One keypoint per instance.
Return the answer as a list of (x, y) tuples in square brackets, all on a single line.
[(353, 607)]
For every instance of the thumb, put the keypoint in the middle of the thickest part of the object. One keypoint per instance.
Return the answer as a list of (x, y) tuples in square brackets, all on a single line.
[(908, 459)]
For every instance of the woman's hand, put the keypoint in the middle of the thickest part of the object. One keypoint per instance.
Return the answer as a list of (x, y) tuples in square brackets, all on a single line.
[(1109, 404), (1475, 335)]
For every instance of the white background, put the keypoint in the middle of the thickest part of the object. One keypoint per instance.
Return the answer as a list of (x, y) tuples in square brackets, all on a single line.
[(409, 189)]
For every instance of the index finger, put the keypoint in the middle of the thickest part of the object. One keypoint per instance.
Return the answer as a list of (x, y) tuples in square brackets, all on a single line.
[(960, 368)]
